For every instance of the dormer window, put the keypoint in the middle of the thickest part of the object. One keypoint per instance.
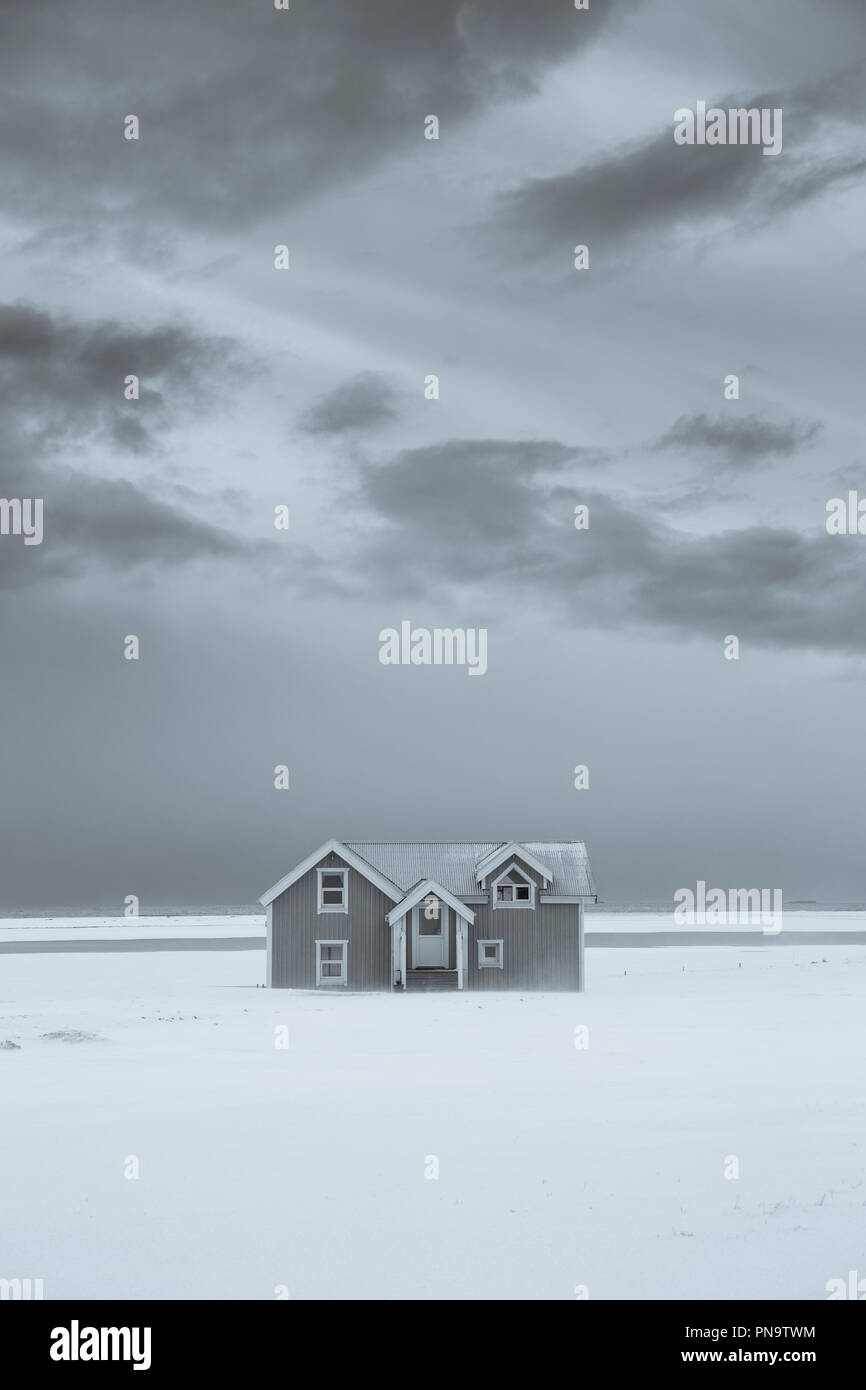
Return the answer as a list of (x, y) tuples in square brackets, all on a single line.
[(512, 893), (514, 888), (333, 893)]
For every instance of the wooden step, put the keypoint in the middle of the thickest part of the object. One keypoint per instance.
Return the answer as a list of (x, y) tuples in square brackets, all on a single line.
[(429, 980)]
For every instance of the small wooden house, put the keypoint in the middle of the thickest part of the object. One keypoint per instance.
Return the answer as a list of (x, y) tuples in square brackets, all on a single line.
[(398, 915)]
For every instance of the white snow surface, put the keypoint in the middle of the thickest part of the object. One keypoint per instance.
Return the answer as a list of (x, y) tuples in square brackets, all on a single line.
[(129, 928), (213, 926), (559, 1166)]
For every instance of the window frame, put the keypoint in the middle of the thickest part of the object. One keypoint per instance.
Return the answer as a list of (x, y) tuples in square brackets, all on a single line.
[(332, 981), (497, 964), (321, 905), (515, 903), (435, 926)]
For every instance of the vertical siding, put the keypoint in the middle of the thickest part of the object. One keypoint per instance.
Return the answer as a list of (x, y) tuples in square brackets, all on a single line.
[(541, 948), (298, 925), (582, 956), (269, 938)]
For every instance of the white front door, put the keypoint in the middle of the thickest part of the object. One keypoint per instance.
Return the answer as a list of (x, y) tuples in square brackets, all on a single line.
[(429, 937)]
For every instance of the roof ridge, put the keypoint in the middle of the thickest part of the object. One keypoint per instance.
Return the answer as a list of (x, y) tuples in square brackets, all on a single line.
[(430, 842)]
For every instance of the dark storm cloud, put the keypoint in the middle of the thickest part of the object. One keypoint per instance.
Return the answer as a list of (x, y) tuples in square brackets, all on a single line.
[(244, 108), (362, 403), (454, 493), (737, 444), (62, 380), (658, 185), (428, 477), (499, 519), (62, 384), (839, 95), (98, 524)]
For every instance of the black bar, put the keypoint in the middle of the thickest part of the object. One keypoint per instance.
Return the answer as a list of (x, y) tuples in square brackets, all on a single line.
[(237, 1338)]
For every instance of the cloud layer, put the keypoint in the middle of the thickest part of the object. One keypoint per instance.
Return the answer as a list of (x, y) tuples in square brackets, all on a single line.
[(495, 519), (62, 382), (244, 108)]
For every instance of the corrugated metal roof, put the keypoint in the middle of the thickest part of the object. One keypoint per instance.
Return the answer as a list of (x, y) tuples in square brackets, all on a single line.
[(452, 862)]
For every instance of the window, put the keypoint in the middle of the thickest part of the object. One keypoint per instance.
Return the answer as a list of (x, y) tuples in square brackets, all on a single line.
[(490, 955), (332, 962), (513, 889), (512, 893), (430, 916), (333, 890)]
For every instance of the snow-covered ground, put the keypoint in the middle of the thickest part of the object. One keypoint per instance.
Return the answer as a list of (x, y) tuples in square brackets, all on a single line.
[(213, 926), (793, 920), (558, 1166), (127, 928)]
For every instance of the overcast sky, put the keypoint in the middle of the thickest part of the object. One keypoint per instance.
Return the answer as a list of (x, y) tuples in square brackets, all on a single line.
[(603, 387)]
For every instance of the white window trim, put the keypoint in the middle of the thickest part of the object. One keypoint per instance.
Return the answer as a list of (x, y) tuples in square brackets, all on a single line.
[(512, 906), (332, 981), (331, 907), (490, 964)]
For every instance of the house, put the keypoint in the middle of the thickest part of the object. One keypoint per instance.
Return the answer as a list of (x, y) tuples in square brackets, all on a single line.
[(386, 915)]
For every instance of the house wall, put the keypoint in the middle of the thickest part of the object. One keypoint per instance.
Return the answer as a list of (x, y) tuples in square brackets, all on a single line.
[(542, 947), (297, 925)]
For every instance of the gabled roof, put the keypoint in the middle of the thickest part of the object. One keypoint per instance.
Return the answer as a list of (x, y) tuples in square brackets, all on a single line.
[(391, 890), (512, 850), (420, 891)]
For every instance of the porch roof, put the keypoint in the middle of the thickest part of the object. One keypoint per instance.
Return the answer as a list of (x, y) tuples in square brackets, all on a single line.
[(420, 892)]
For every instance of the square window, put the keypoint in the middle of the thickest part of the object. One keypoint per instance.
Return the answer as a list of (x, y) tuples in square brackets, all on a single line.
[(490, 955)]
